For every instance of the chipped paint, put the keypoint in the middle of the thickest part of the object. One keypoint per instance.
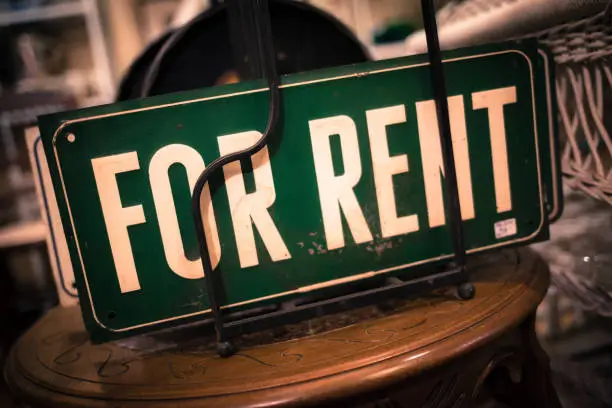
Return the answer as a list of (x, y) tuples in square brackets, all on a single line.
[(319, 248), (380, 248)]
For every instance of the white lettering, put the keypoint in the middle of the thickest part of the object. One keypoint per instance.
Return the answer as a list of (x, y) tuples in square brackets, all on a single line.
[(336, 192), (193, 163), (249, 209), (117, 217), (431, 155), (385, 167), (494, 101)]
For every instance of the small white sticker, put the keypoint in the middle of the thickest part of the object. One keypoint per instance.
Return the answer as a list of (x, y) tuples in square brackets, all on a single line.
[(505, 228)]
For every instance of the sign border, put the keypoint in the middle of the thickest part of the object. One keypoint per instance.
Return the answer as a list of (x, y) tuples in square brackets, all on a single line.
[(54, 244), (321, 285), (556, 212)]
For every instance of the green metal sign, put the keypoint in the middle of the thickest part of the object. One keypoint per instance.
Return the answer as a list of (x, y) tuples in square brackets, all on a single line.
[(349, 188)]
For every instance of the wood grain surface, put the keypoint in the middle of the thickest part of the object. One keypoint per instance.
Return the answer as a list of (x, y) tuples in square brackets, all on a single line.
[(435, 351)]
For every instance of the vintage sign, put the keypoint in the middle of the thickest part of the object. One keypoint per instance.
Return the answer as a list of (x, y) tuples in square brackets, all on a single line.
[(349, 188), (57, 247)]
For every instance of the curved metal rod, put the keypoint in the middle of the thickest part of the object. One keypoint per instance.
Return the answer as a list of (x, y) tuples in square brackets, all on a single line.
[(152, 75), (268, 60)]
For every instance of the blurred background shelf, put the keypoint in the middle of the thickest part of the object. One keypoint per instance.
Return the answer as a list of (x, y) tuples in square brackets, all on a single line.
[(58, 42), (42, 13), (22, 233)]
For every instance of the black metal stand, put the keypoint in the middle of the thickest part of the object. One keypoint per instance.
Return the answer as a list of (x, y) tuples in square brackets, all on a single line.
[(466, 290), (252, 26)]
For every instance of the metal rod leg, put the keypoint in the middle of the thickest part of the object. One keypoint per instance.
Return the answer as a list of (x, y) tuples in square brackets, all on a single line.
[(257, 11), (466, 290)]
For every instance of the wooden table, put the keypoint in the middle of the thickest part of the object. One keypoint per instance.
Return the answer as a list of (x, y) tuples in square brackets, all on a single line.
[(435, 351)]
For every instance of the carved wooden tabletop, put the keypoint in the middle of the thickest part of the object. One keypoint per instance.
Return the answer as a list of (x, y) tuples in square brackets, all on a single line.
[(430, 342)]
